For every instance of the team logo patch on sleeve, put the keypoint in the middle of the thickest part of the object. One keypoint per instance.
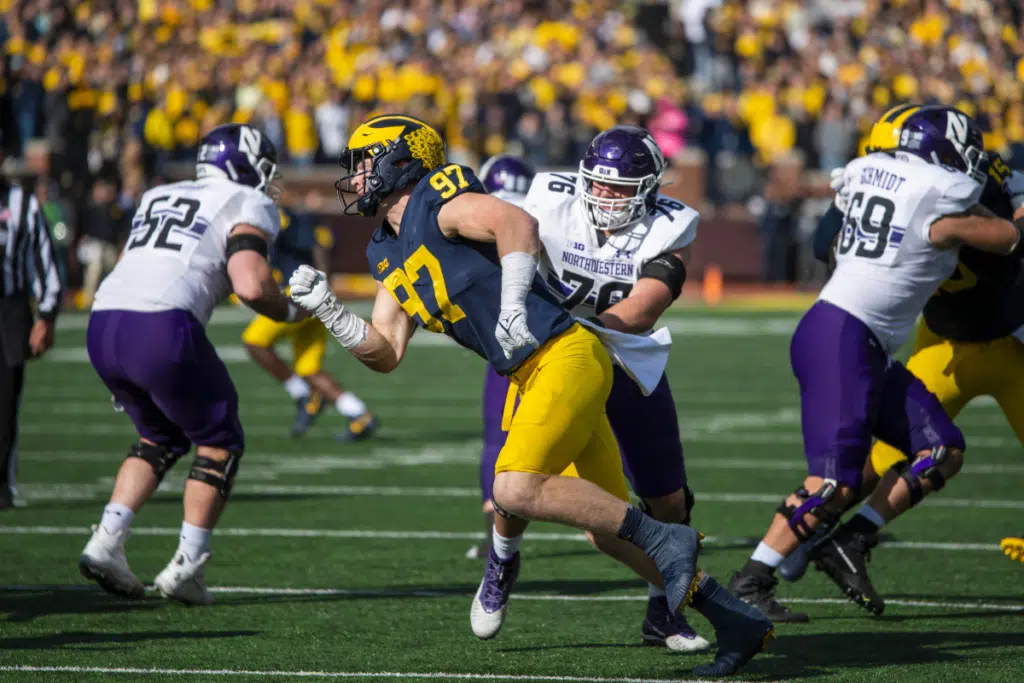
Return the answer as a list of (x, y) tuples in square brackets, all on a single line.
[(382, 266)]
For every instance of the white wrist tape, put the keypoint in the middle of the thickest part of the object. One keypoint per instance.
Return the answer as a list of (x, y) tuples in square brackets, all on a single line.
[(348, 328), (517, 271)]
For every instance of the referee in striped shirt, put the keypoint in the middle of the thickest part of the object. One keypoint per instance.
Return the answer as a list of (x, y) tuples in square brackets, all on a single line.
[(27, 271)]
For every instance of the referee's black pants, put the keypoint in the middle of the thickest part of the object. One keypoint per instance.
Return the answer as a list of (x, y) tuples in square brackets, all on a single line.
[(15, 320)]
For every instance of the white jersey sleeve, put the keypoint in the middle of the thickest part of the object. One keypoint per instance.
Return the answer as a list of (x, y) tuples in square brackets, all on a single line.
[(591, 272), (886, 264), (960, 194), (175, 256)]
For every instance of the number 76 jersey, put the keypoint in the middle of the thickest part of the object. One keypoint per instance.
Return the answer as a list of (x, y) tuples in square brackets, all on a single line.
[(175, 255), (589, 272)]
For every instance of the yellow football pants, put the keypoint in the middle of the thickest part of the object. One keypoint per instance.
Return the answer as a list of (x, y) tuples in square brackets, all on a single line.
[(957, 372), (560, 426), (308, 337)]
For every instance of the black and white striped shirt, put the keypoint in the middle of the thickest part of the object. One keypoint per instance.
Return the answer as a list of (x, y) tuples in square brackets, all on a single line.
[(26, 253)]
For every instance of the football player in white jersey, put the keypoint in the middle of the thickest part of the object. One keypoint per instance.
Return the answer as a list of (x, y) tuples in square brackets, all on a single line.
[(614, 249), (191, 244), (907, 211)]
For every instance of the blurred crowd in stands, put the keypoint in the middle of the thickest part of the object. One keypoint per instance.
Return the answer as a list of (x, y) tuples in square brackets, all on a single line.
[(97, 96)]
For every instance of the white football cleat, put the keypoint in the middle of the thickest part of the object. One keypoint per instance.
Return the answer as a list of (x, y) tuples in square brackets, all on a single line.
[(103, 561), (183, 580)]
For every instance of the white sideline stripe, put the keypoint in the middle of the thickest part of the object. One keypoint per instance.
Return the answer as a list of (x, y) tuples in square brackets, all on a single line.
[(371, 593), (429, 535), (437, 675), (87, 491)]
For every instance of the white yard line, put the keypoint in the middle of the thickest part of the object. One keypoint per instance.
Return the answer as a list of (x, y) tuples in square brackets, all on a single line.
[(434, 675), (431, 535), (375, 593), (269, 471)]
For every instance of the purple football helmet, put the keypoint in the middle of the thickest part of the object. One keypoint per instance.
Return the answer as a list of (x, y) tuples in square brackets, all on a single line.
[(240, 153), (624, 156), (507, 174), (945, 136)]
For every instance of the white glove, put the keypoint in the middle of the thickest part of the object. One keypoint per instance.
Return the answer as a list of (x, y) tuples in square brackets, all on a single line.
[(839, 184), (1013, 186), (512, 332), (308, 288)]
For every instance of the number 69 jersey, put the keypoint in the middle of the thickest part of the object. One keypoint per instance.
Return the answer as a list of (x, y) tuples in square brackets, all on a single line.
[(591, 273), (886, 264), (175, 255)]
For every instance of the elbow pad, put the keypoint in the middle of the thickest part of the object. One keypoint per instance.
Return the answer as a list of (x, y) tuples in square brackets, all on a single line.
[(667, 268)]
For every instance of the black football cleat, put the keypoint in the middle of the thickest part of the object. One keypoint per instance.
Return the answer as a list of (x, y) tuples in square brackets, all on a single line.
[(757, 589), (844, 558), (307, 410)]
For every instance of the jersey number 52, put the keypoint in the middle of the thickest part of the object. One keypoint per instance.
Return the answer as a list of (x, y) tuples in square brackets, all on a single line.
[(164, 220)]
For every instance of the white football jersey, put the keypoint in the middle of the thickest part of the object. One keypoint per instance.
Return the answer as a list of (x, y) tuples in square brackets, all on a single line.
[(174, 258), (591, 274), (886, 265)]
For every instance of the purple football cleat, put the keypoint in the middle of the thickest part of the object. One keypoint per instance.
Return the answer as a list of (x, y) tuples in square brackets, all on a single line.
[(491, 600)]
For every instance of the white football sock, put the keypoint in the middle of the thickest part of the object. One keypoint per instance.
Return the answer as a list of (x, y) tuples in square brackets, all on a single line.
[(296, 387), (655, 592), (504, 548), (349, 405), (872, 515), (194, 541), (116, 517), (765, 554)]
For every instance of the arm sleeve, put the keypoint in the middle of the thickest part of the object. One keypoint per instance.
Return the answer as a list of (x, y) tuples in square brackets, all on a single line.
[(828, 227)]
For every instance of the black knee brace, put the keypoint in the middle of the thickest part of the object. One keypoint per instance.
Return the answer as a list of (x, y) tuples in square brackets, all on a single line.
[(225, 472), (924, 467), (158, 457), (502, 511), (810, 504)]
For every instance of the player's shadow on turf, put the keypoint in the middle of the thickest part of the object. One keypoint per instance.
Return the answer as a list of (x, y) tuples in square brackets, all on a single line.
[(797, 655), (30, 604), (77, 640)]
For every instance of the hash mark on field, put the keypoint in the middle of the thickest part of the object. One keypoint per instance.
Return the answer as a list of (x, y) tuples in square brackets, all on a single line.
[(435, 536), (435, 675), (398, 593)]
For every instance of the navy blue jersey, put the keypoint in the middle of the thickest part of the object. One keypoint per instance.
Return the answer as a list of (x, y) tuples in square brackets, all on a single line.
[(295, 243), (453, 286), (984, 298)]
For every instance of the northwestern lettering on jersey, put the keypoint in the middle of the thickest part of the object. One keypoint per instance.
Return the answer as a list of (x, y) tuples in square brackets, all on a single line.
[(881, 178), (598, 266)]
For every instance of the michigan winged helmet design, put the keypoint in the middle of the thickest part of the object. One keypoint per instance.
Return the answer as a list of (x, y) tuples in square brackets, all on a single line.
[(387, 153)]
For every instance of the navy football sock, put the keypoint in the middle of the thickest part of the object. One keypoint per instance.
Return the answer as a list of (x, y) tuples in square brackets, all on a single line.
[(861, 525), (742, 631)]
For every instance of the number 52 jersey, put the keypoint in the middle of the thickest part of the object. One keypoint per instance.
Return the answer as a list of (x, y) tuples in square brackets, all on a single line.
[(886, 265), (588, 271), (175, 255)]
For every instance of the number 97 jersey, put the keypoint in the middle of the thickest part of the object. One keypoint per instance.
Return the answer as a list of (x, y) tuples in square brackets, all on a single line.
[(589, 271)]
